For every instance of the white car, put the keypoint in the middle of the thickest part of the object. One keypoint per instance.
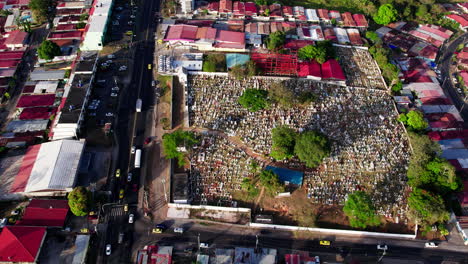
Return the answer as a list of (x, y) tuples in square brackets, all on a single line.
[(111, 56), (3, 222), (109, 114), (108, 249), (114, 94), (382, 247), (179, 230), (430, 245), (129, 177), (204, 245), (130, 219), (116, 88), (317, 260), (123, 68), (133, 150)]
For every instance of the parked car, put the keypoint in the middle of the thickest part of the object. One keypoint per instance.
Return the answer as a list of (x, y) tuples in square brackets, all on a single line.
[(131, 218), (3, 222), (179, 230), (133, 149), (204, 245), (382, 247), (109, 114), (108, 249), (129, 177), (430, 245)]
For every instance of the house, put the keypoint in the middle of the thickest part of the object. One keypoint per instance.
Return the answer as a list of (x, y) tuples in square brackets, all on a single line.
[(311, 15), (354, 36), (342, 35), (225, 7), (181, 33), (250, 9), (348, 20), (309, 70), (360, 20), (230, 40), (16, 39), (21, 244), (288, 12), (459, 19), (187, 6), (213, 8), (335, 15), (323, 14)]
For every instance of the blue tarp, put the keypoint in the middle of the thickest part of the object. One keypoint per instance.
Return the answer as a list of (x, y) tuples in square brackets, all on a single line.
[(291, 176), (233, 59)]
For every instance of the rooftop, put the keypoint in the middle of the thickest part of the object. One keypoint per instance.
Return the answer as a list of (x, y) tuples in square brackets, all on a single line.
[(21, 243), (45, 213)]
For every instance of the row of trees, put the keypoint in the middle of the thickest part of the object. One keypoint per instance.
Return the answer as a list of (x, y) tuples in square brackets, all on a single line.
[(280, 94), (413, 120), (432, 179), (311, 147)]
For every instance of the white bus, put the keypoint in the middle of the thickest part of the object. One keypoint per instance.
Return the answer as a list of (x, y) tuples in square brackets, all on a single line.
[(138, 105), (138, 158)]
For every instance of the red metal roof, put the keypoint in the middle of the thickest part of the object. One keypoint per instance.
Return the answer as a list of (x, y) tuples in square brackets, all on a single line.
[(68, 11), (37, 113), (65, 35), (21, 243), (231, 37), (45, 213), (11, 55), (296, 44), (64, 27), (287, 11), (460, 20), (21, 180), (311, 68), (213, 6), (28, 88), (16, 37), (323, 14), (331, 69), (225, 6), (250, 9), (8, 64), (181, 32), (360, 20), (292, 259), (36, 100)]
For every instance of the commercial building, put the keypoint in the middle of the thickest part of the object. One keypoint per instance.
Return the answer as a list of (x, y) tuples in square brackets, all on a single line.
[(96, 28), (21, 244)]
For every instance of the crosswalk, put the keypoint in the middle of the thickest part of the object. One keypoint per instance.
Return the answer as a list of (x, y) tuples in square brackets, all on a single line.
[(115, 213)]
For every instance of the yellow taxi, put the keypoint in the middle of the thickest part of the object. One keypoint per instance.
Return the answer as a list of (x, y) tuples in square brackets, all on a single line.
[(156, 230), (126, 208), (121, 194), (149, 66), (325, 243), (117, 173)]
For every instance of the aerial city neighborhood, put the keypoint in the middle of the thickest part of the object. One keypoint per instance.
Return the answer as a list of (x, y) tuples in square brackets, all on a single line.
[(194, 131)]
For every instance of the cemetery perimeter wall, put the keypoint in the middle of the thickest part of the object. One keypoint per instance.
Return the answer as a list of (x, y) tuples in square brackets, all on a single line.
[(223, 210)]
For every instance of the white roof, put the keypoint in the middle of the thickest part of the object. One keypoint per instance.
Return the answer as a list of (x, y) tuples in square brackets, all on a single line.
[(81, 249), (311, 15), (383, 31), (97, 24), (341, 35), (48, 86), (102, 8), (191, 65), (316, 33), (55, 166)]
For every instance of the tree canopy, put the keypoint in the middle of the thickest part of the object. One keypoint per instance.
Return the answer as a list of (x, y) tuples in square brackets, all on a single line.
[(322, 51), (270, 181), (426, 207), (284, 140), (48, 50), (41, 9), (79, 200), (254, 99), (414, 120), (173, 142), (311, 147), (360, 210), (241, 72), (214, 62), (276, 40), (386, 14)]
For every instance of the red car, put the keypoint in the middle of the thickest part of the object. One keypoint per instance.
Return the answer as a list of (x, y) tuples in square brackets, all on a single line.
[(147, 140), (135, 187)]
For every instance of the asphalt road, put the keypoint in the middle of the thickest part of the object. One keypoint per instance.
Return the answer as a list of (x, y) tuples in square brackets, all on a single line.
[(444, 63), (131, 128)]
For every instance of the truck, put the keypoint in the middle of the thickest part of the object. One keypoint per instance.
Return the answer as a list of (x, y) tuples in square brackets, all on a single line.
[(138, 158), (138, 105)]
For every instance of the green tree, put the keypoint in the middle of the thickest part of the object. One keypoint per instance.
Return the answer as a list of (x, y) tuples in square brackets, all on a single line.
[(424, 150), (79, 200), (276, 40), (284, 140), (426, 207), (414, 120), (261, 2), (441, 176), (386, 14), (80, 25), (422, 12), (214, 62), (396, 88), (173, 144), (48, 50), (270, 181), (311, 147), (282, 95), (249, 186), (241, 72), (41, 9), (372, 36), (360, 210), (322, 51), (254, 99)]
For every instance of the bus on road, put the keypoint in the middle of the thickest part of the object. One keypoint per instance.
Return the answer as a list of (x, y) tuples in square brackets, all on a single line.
[(138, 158)]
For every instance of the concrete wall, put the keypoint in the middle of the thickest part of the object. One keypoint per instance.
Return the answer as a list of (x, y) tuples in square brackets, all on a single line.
[(334, 231)]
